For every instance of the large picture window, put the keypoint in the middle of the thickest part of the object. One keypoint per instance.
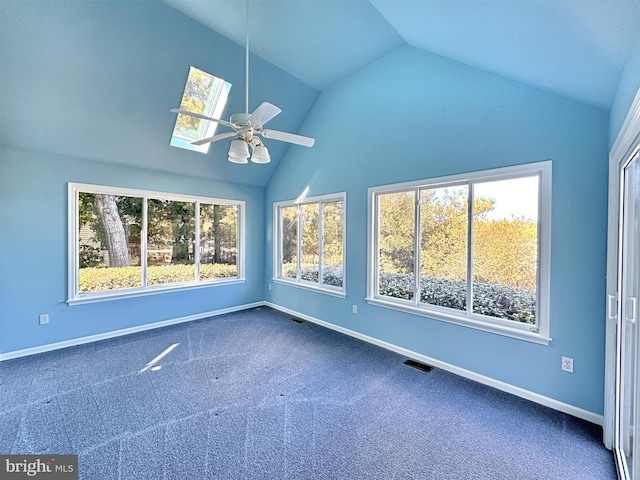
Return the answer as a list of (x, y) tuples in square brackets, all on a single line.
[(309, 245), (471, 249), (126, 242)]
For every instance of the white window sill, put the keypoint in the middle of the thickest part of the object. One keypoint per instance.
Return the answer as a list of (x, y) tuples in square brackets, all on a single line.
[(314, 287), (141, 292), (519, 331)]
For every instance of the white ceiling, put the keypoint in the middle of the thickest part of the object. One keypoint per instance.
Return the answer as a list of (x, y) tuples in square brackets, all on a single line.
[(576, 48)]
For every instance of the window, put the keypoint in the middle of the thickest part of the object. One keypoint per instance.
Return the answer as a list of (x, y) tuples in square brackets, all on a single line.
[(470, 249), (205, 94), (309, 243), (129, 242)]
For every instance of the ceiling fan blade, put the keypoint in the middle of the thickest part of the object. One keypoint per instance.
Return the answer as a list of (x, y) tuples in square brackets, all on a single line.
[(203, 117), (215, 138), (288, 137), (265, 112)]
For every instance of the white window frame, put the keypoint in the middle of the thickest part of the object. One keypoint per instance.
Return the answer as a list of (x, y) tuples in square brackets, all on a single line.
[(277, 245), (74, 295), (538, 333)]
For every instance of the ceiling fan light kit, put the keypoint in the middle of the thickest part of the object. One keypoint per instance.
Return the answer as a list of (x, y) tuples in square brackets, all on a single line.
[(260, 154), (238, 160), (248, 125), (239, 151)]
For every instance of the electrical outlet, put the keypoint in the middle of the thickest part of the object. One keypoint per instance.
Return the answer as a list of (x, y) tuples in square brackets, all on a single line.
[(269, 286), (354, 309), (567, 364), (44, 318)]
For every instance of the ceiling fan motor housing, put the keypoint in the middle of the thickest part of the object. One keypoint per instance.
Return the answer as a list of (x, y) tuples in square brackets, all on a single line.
[(240, 118)]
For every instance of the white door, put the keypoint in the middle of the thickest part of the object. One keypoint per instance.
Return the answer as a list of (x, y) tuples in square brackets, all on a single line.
[(628, 441)]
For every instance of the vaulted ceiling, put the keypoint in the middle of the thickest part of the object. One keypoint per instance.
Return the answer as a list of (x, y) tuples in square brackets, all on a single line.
[(576, 48), (96, 80)]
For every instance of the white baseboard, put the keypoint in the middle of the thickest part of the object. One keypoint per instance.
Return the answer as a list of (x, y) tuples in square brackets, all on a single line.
[(505, 387), (125, 331)]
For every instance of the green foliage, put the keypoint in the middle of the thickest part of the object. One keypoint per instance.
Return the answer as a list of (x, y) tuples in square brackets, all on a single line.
[(332, 275), (444, 222), (396, 285), (501, 301), (86, 205), (218, 233), (289, 233), (187, 123), (129, 211), (504, 250), (90, 256), (171, 224), (309, 217), (396, 231), (194, 99), (309, 222), (210, 271), (96, 279), (504, 301), (333, 221), (162, 274)]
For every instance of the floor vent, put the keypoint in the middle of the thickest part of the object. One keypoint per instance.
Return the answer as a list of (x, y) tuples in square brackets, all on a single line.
[(420, 366), (297, 320)]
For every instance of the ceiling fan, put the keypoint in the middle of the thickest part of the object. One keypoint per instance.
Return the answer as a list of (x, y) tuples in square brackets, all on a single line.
[(247, 126)]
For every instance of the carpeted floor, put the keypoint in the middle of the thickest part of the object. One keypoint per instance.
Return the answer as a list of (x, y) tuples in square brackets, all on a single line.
[(254, 394)]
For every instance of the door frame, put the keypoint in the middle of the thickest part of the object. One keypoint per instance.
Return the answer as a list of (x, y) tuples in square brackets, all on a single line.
[(627, 141)]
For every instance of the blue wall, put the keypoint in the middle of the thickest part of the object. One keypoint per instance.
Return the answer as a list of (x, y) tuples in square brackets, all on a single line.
[(413, 115), (96, 80), (628, 88), (33, 251), (85, 93)]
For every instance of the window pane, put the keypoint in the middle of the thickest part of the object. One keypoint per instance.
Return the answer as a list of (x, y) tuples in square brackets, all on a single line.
[(109, 242), (311, 242), (396, 234), (505, 249), (332, 248), (289, 236), (170, 242), (443, 248), (218, 241), (310, 261)]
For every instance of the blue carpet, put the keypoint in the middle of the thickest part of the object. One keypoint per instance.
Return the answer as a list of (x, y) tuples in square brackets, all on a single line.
[(254, 395)]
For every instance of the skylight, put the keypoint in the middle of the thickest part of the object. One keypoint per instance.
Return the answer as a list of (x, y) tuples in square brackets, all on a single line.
[(206, 94)]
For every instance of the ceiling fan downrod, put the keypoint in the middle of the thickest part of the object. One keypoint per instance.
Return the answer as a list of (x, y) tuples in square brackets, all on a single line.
[(246, 60)]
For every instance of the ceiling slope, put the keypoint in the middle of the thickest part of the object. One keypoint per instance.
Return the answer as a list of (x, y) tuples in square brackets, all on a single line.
[(575, 48)]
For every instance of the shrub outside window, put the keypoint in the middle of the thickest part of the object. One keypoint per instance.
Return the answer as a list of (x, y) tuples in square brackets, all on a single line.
[(125, 242), (471, 249), (309, 243)]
